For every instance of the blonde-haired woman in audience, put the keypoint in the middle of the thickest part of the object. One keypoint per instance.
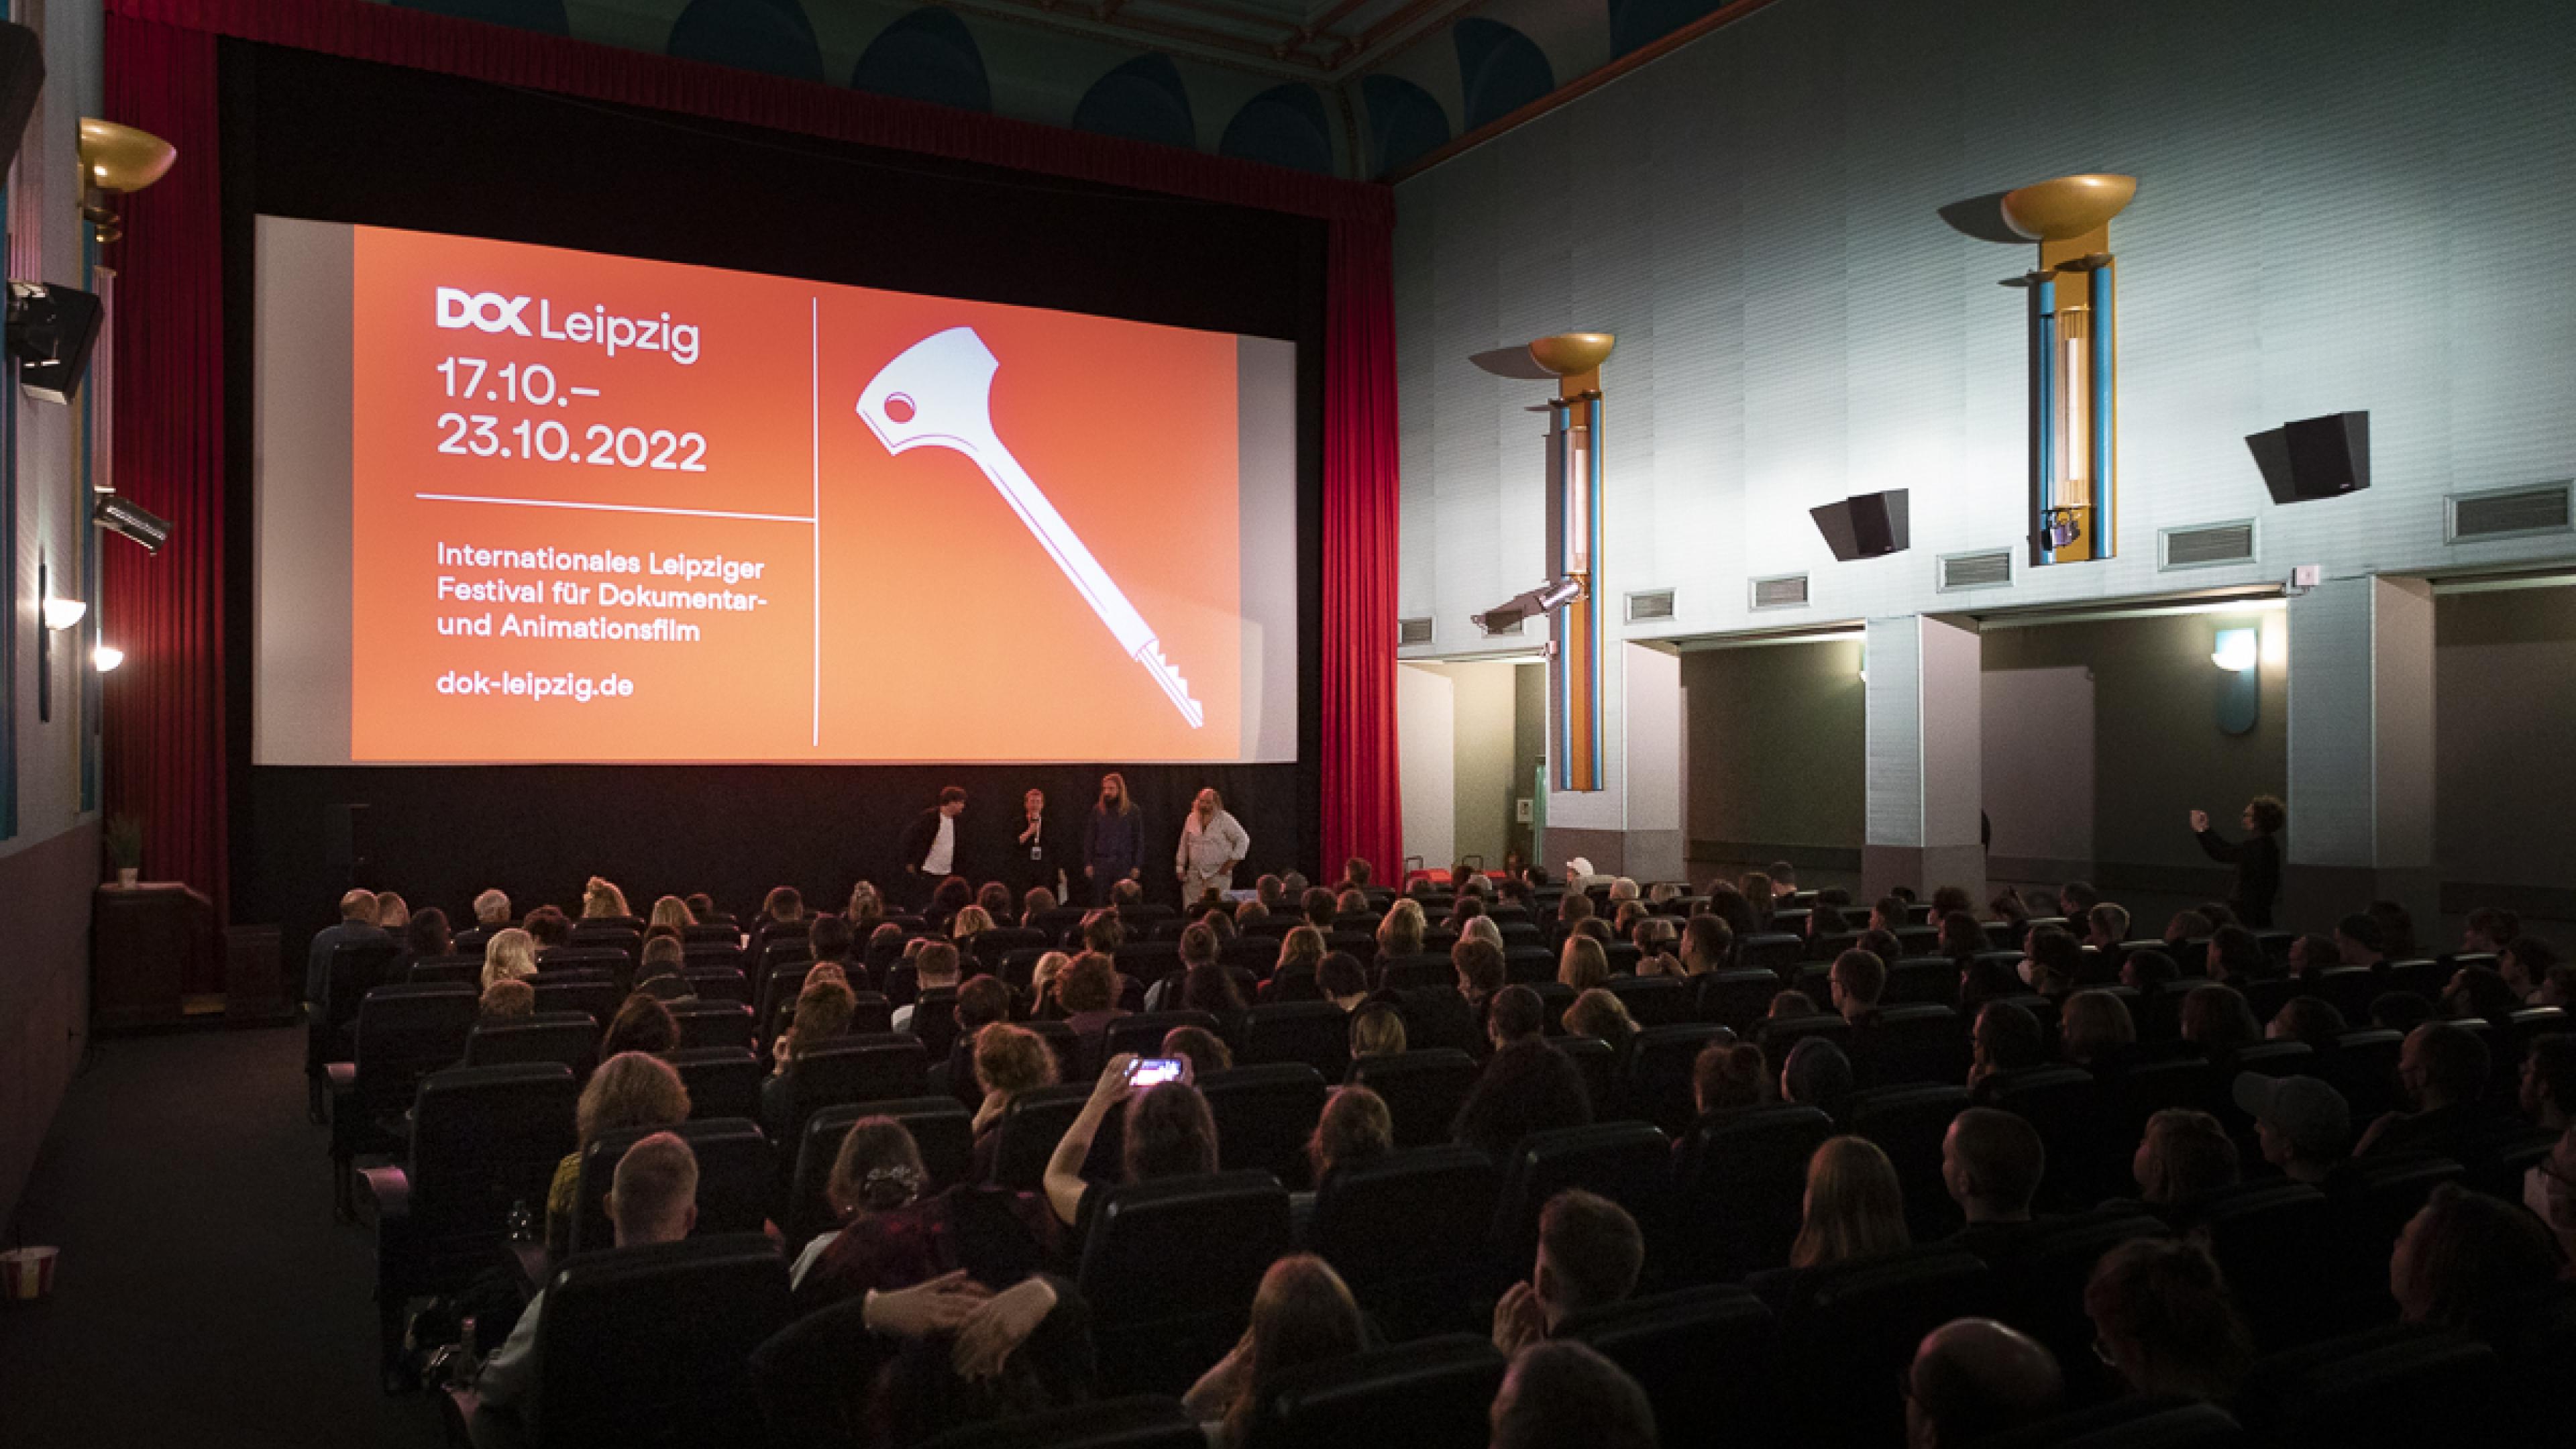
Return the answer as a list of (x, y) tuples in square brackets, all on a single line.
[(1009, 1061), (673, 912), (823, 1010), (968, 922), (1300, 950), (1855, 1208), (392, 912), (1354, 1128), (1401, 932), (630, 1089), (602, 900), (1377, 1030), (1042, 985), (510, 955), (866, 909), (1482, 928), (1600, 1013), (1582, 965)]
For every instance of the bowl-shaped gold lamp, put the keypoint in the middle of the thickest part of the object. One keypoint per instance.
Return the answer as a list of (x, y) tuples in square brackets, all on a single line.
[(121, 158), (2067, 207), (1572, 354)]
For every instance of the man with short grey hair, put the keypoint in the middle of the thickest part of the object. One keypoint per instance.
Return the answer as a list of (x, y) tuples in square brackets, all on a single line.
[(2303, 1124)]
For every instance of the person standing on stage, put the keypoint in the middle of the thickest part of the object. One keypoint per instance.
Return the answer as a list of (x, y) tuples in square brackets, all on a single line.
[(1037, 852), (934, 846), (2257, 858), (1212, 845), (1113, 841)]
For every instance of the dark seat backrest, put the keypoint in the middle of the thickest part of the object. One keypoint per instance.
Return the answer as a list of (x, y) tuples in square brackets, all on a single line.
[(1169, 1269), (355, 968), (1599, 1065), (1923, 978), (1139, 1421), (1908, 1123), (1432, 1392), (1423, 1090), (705, 1023), (872, 1068), (1314, 1033), (1422, 968), (1629, 1163), (485, 1138), (585, 958), (447, 971), (722, 1081), (989, 947), (1780, 1035), (1437, 1016), (1143, 1032), (1148, 961), (1389, 1226), (1740, 1188), (1528, 965), (596, 998), (737, 1178), (1062, 1040), (1659, 1072), (405, 1032), (2040, 1290), (653, 1344), (2277, 1059), (1852, 1328), (2363, 1066), (569, 1037), (2135, 1422), (2275, 1243), (2387, 1386), (2063, 1103), (940, 1126), (1264, 1114), (1773, 951), (775, 1005), (707, 933), (1654, 1000), (719, 983), (1035, 1122), (710, 953), (1737, 999), (1911, 1042), (1704, 1356), (933, 1019)]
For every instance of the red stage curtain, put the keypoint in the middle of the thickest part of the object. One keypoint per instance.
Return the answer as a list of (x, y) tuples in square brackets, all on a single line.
[(170, 405), (164, 723)]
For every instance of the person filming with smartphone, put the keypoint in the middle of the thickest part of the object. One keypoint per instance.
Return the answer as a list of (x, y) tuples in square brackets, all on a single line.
[(1169, 1133)]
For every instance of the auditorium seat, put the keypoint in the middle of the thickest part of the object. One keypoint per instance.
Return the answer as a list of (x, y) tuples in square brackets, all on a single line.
[(483, 1140), (1313, 1033), (1909, 1123), (695, 954), (2386, 1388), (775, 1002), (587, 991), (1264, 1114), (2136, 1422), (940, 1127), (2427, 978), (1659, 1070), (1251, 951), (1910, 1042), (1065, 1043), (1142, 1033), (2274, 1241), (1169, 1269), (609, 959), (447, 971), (933, 1020), (1737, 999), (1019, 968), (609, 935), (1850, 1330), (1422, 968), (1629, 1163), (1704, 1356), (1429, 1394), (2349, 989), (1437, 1016), (2065, 1106), (404, 1033), (713, 1023), (1358, 943), (1422, 1088), (900, 981), (1654, 1000), (569, 1037), (1390, 1227), (711, 933), (1148, 961), (1139, 1421), (1740, 1186), (1035, 1122), (2373, 1199), (1923, 978), (653, 1344), (737, 1178), (722, 1081), (991, 947), (1528, 965), (2363, 1066), (1774, 952), (1780, 1035), (2040, 1290), (719, 983), (876, 1067), (354, 969), (2275, 1059), (1599, 1065)]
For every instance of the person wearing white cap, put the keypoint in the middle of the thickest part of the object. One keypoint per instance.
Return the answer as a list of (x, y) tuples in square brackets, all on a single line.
[(2303, 1124)]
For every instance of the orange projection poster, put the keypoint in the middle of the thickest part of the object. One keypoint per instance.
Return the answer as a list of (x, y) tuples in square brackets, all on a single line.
[(617, 510)]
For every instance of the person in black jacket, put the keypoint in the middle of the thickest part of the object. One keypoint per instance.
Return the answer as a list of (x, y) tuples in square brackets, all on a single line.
[(934, 845), (1113, 841), (1038, 852), (2257, 858)]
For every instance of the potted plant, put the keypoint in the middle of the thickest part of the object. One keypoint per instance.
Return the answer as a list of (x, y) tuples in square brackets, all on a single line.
[(125, 848)]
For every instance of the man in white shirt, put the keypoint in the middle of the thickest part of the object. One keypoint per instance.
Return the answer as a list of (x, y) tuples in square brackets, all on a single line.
[(1212, 845), (933, 848), (934, 967), (653, 1199)]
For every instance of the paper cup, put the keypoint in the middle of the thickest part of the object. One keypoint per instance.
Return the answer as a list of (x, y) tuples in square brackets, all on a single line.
[(27, 1274)]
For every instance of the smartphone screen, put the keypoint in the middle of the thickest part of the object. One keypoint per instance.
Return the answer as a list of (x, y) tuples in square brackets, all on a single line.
[(1155, 1071)]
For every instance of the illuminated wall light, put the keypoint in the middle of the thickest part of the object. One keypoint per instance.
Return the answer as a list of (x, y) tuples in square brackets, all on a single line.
[(2238, 650), (63, 613), (2276, 642), (106, 657)]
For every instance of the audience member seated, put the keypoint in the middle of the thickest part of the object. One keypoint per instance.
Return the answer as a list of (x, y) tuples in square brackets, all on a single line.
[(393, 914), (2163, 1320), (2360, 941), (2187, 926), (2525, 965), (2235, 957), (652, 1199), (1008, 1061), (663, 974), (1302, 1314), (2183, 1157), (2303, 1125), (424, 935), (671, 911), (2549, 1190), (2548, 1090), (603, 901), (1855, 1207), (1567, 1396), (1582, 964), (1343, 980), (969, 1238), (1518, 1014), (2464, 1254), (1087, 991), (1301, 952), (823, 1010), (1169, 1133), (510, 955), (642, 1024), (1590, 1254), (1973, 1378), (936, 969), (2054, 961), (2443, 1072), (549, 928), (1707, 944), (1817, 1074), (1992, 1163), (630, 1089), (1204, 1050), (1854, 984), (2312, 954), (701, 906), (1355, 1127), (1528, 1087), (1728, 1078), (2479, 993), (2309, 1019), (831, 939), (2217, 1020), (1599, 1013), (491, 912), (2105, 927), (2004, 1038), (2146, 971), (2396, 930), (2094, 1031), (507, 999), (2399, 1011), (980, 1003), (1377, 1030), (1400, 931)]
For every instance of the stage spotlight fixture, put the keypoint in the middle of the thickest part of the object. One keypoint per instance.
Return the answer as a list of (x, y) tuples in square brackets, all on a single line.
[(106, 657), (119, 515), (1545, 599), (51, 331), (64, 613)]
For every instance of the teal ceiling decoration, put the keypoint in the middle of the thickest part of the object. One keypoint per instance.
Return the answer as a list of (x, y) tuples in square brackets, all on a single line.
[(1500, 69), (1284, 126), (927, 55), (764, 35), (1404, 119), (1142, 100), (1635, 24)]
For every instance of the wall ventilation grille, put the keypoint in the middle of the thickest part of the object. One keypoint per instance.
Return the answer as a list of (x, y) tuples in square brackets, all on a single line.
[(1786, 592), (1651, 605), (1412, 631), (2209, 544), (1976, 570), (2506, 512)]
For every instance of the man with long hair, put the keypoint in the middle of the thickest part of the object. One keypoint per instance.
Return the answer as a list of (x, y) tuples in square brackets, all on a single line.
[(1212, 845), (1113, 841)]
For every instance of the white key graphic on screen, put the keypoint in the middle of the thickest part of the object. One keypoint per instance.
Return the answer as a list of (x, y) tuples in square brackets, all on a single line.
[(939, 394)]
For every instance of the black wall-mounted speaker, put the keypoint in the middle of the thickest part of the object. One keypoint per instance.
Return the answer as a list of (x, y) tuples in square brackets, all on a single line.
[(2314, 458), (1865, 526), (22, 79)]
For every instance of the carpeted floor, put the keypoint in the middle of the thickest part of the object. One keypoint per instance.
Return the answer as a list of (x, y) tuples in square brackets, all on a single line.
[(205, 1296)]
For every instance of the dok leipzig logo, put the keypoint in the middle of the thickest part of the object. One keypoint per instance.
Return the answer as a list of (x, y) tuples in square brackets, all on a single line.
[(598, 327)]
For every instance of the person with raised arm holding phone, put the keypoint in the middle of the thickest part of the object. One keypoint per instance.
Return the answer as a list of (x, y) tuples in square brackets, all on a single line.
[(1170, 1132)]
